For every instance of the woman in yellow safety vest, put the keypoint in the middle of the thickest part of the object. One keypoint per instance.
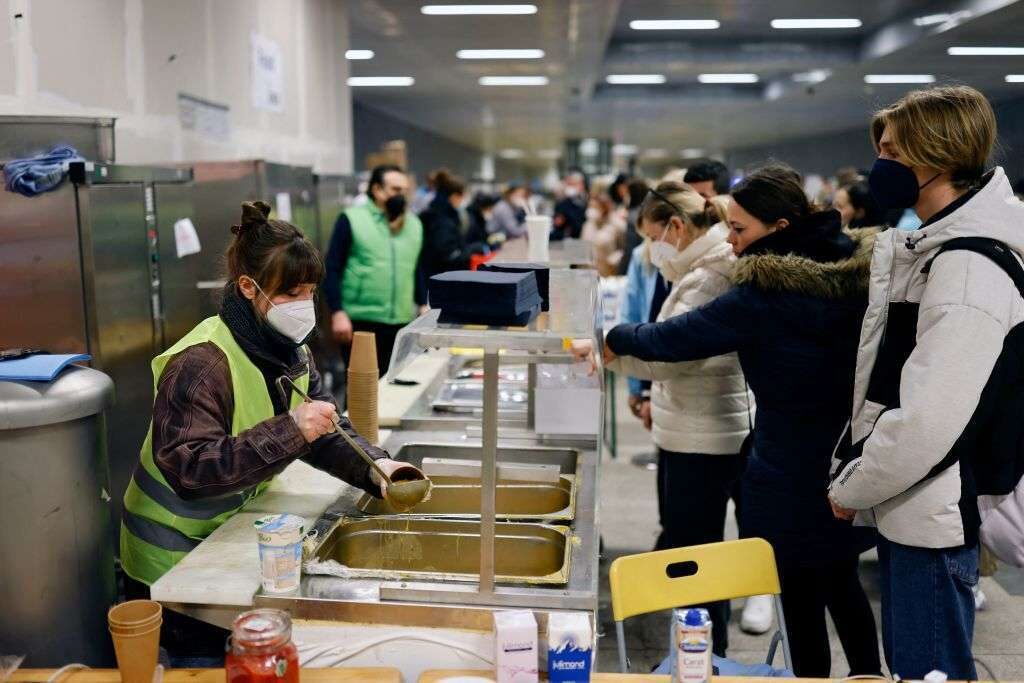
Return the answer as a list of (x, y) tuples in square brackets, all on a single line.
[(224, 421)]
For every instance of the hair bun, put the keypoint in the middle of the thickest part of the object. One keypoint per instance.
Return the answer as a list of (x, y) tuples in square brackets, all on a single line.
[(253, 214)]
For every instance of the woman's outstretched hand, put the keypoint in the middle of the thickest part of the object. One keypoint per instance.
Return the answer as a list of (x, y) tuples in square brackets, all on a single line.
[(583, 350)]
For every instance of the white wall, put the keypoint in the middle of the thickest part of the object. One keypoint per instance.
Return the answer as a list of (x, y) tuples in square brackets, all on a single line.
[(130, 59)]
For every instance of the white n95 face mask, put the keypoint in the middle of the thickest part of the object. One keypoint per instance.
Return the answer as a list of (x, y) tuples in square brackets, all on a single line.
[(293, 319), (662, 252)]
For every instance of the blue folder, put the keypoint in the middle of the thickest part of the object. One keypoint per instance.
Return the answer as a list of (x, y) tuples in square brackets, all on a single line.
[(43, 367)]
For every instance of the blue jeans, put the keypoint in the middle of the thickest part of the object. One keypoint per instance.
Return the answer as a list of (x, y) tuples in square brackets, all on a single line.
[(928, 609)]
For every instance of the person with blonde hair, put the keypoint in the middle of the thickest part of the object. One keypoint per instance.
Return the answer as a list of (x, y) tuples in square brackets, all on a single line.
[(937, 320), (700, 410)]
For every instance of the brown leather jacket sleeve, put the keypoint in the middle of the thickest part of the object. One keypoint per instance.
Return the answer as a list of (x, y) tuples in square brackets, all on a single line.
[(192, 442), (332, 454)]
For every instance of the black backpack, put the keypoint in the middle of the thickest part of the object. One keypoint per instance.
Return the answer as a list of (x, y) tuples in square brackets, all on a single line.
[(993, 441)]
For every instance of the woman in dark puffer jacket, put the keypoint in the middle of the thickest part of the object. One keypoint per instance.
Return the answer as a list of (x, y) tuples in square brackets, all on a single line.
[(794, 319)]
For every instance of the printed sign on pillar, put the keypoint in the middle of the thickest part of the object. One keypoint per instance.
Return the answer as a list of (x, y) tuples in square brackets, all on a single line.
[(267, 74)]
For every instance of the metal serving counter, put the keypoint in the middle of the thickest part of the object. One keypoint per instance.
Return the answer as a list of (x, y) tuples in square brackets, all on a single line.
[(423, 586), (363, 599)]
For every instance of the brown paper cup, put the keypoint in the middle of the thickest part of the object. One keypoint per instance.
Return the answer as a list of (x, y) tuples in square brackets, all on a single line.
[(137, 654), (134, 613), (364, 352)]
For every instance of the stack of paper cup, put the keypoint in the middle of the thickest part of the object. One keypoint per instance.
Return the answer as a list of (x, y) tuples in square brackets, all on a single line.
[(362, 385), (538, 233), (135, 629)]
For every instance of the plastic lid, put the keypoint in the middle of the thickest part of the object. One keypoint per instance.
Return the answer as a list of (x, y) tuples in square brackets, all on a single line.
[(281, 522), (695, 617), (77, 392)]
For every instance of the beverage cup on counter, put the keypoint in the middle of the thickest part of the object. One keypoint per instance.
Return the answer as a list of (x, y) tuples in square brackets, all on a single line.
[(280, 546), (538, 234), (362, 385), (363, 357), (135, 630), (134, 614)]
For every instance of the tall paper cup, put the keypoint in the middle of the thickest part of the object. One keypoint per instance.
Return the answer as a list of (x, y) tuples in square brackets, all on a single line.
[(538, 232), (364, 353), (134, 614), (362, 404), (137, 653)]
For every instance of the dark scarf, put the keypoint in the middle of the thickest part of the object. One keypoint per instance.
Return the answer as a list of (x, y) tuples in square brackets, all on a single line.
[(268, 348), (818, 237)]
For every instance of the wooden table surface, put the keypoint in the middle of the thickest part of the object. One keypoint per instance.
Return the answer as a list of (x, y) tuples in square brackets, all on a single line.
[(383, 674), (437, 675)]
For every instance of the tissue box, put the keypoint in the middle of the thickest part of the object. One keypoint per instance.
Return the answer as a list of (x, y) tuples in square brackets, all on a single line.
[(515, 646), (570, 647)]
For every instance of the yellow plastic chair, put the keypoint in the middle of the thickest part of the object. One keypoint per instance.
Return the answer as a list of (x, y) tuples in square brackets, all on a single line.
[(644, 583)]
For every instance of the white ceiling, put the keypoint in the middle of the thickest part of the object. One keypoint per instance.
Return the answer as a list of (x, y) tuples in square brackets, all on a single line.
[(585, 40)]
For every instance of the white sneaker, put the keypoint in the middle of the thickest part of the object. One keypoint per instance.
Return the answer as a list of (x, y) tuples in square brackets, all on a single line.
[(980, 601), (757, 615)]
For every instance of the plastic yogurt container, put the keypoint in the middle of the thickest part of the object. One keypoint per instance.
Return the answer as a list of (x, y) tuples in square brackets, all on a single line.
[(280, 544)]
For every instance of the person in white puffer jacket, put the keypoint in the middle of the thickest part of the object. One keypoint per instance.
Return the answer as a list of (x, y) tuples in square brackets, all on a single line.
[(701, 410), (934, 328)]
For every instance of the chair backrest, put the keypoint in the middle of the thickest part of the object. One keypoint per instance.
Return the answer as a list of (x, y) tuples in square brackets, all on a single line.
[(651, 582)]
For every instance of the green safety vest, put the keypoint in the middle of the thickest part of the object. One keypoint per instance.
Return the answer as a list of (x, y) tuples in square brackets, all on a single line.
[(158, 527), (379, 282)]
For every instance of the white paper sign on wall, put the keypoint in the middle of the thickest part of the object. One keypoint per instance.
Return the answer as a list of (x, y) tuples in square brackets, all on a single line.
[(267, 74), (283, 200), (186, 240)]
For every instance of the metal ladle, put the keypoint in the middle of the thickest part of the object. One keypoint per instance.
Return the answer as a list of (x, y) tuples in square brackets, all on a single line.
[(402, 495)]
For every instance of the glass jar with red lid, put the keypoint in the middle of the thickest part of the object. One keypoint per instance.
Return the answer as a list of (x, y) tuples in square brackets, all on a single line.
[(261, 649)]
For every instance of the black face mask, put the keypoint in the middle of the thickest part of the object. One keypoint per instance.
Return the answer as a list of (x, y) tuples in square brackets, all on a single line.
[(394, 206), (894, 185)]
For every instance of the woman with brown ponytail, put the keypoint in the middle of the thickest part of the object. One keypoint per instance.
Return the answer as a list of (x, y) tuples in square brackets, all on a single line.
[(225, 419)]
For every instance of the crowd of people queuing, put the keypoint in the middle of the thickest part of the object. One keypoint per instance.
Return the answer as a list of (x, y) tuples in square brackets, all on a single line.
[(801, 351), (824, 367)]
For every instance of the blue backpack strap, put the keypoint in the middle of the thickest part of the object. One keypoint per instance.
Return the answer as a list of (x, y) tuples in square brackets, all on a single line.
[(993, 249)]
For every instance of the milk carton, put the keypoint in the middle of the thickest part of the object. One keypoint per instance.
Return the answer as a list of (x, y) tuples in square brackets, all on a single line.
[(570, 647), (515, 646)]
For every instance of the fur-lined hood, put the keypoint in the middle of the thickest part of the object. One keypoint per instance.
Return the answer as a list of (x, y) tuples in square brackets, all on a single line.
[(802, 275)]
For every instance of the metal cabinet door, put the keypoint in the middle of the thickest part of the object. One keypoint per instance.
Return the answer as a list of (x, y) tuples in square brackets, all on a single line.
[(41, 301), (181, 303), (220, 189), (119, 296)]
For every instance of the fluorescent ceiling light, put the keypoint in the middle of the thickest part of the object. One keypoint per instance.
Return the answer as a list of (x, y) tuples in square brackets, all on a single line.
[(951, 18), (500, 54), (511, 154), (451, 10), (513, 80), (674, 24), (1015, 78), (358, 54), (891, 79), (624, 150), (636, 79), (382, 81), (691, 153), (727, 78), (986, 51), (816, 23), (814, 76)]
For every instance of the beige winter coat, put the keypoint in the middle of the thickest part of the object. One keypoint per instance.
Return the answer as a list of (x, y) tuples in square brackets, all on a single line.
[(698, 406)]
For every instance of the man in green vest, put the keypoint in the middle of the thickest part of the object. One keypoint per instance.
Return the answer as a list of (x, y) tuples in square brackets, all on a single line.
[(373, 281)]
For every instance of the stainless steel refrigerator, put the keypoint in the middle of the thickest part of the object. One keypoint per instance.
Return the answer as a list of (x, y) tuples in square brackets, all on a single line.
[(90, 267)]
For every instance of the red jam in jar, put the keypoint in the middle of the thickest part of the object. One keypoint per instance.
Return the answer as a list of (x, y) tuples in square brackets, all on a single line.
[(261, 649)]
